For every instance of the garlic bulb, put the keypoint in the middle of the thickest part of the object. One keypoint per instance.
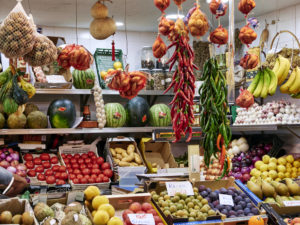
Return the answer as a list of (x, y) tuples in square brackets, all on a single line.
[(99, 102)]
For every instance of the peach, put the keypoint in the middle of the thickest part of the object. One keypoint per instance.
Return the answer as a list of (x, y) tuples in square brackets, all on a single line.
[(146, 206), (124, 214), (135, 207), (157, 219), (152, 211)]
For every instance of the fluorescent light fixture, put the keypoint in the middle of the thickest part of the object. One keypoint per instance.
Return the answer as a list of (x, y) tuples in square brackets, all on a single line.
[(174, 16), (224, 1), (119, 24)]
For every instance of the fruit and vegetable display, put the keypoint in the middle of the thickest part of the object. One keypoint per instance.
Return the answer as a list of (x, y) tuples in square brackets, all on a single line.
[(100, 108), (126, 157), (43, 169), (86, 168), (275, 112), (6, 217), (194, 207), (83, 79), (213, 111), (213, 172)]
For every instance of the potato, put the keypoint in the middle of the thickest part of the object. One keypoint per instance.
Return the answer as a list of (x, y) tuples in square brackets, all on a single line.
[(119, 156), (119, 150), (113, 152), (130, 149), (129, 158), (133, 164), (124, 163), (137, 158), (117, 161), (124, 154)]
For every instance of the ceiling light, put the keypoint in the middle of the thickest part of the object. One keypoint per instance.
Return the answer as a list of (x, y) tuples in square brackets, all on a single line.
[(174, 16), (224, 1), (119, 24)]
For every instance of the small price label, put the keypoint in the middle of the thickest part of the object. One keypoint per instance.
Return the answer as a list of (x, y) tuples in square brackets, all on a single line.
[(183, 187), (141, 219), (292, 203), (79, 196), (226, 200)]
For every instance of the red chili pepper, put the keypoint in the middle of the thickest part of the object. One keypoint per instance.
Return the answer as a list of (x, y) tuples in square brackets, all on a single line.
[(218, 141), (222, 158), (190, 130), (228, 163)]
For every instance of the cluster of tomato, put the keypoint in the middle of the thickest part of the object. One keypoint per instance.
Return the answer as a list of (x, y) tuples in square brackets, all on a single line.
[(87, 168), (46, 168)]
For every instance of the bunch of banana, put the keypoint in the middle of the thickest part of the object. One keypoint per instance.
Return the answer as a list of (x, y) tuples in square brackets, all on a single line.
[(292, 86), (264, 83), (281, 69)]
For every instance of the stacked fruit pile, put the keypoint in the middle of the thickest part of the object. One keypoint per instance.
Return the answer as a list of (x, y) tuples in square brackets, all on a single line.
[(87, 168), (45, 167), (6, 217)]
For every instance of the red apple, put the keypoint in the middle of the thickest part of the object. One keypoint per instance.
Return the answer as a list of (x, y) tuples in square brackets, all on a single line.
[(31, 173), (57, 175), (54, 160), (135, 207), (41, 177), (152, 211), (37, 161), (157, 219), (45, 157), (39, 169), (84, 156), (46, 164), (108, 173), (80, 161), (100, 161), (28, 157), (49, 172), (29, 164), (76, 156), (124, 214), (50, 180), (105, 166), (55, 168), (146, 206), (90, 154)]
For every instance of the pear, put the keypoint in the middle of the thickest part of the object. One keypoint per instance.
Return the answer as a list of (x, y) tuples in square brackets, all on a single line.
[(297, 197), (280, 188), (267, 189), (293, 187), (270, 200), (255, 188), (279, 200)]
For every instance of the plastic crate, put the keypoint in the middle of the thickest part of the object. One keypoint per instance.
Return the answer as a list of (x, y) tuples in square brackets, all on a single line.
[(104, 62)]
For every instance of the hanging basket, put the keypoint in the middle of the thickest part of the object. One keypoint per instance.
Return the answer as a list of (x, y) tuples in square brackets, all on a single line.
[(284, 31)]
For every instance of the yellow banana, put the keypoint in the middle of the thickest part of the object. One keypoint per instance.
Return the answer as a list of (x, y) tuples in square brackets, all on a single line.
[(280, 68), (286, 71), (259, 86), (285, 87), (276, 66), (295, 87)]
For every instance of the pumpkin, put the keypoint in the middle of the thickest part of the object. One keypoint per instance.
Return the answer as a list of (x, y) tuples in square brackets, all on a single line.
[(99, 11), (101, 29)]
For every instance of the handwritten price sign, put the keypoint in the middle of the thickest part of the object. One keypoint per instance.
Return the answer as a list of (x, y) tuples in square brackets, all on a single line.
[(292, 203), (141, 219), (226, 200), (182, 187)]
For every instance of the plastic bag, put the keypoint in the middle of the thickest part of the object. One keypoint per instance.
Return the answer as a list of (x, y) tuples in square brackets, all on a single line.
[(16, 33), (44, 52)]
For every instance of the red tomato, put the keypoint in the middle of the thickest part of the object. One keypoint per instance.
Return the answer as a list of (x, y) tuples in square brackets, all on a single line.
[(108, 173), (83, 180), (67, 160), (87, 177), (63, 176), (28, 157), (87, 160), (73, 161), (79, 176), (55, 168), (69, 156), (94, 176), (98, 180), (76, 156), (41, 177), (75, 181), (96, 171), (63, 156), (91, 180), (82, 166), (72, 176), (57, 175), (49, 172), (90, 165), (29, 164), (68, 165), (75, 166), (105, 179), (45, 157), (100, 160), (50, 180), (90, 154), (105, 166), (94, 157), (80, 161), (46, 165), (101, 176), (70, 170), (37, 161), (95, 166), (60, 182), (86, 171), (54, 160), (76, 171), (31, 173), (39, 169), (84, 156), (62, 169)]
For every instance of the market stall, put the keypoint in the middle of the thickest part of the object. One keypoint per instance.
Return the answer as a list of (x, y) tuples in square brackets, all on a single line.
[(188, 116)]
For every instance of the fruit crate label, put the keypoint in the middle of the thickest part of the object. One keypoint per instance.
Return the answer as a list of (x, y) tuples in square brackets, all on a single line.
[(79, 196), (226, 200), (142, 219), (292, 203), (183, 187)]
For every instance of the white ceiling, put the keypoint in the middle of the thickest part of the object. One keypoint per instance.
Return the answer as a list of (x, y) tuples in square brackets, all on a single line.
[(142, 15)]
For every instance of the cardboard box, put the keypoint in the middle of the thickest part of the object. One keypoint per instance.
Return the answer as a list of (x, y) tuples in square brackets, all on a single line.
[(17, 206)]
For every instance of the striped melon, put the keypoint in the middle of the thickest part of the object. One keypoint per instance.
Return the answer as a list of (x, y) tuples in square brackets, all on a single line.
[(83, 79), (160, 115), (115, 115)]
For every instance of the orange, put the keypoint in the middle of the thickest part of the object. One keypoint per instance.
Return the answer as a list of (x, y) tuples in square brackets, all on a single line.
[(256, 220)]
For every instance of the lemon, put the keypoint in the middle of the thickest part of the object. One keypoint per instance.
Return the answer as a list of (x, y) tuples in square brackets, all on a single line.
[(108, 208), (120, 69), (281, 168), (273, 174), (281, 161), (263, 167), (103, 74), (258, 164), (255, 172), (264, 174), (294, 175), (90, 192), (115, 221), (273, 160), (289, 170), (272, 166), (93, 213), (294, 169), (109, 70), (287, 175), (117, 65), (268, 179), (101, 217), (277, 179), (266, 159), (281, 175), (290, 158), (99, 200), (296, 164)]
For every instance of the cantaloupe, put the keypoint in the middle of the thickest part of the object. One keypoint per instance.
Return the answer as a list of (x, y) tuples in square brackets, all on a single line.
[(99, 11), (101, 29)]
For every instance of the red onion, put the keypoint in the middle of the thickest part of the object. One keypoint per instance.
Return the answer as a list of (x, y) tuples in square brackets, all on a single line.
[(14, 163), (4, 164), (236, 169), (10, 150), (27, 179), (12, 169), (246, 177), (2, 155), (239, 158), (255, 159), (21, 167), (245, 170), (237, 176), (260, 152), (251, 167), (21, 173), (15, 156), (8, 158)]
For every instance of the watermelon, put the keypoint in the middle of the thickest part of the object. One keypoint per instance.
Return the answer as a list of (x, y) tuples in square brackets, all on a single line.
[(83, 79), (137, 110), (160, 115), (115, 115), (62, 113)]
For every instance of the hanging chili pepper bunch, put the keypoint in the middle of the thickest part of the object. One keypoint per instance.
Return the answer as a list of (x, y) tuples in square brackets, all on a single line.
[(213, 120)]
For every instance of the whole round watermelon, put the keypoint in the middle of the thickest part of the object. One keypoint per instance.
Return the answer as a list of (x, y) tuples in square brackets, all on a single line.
[(137, 110), (83, 79), (160, 115), (115, 115), (62, 113)]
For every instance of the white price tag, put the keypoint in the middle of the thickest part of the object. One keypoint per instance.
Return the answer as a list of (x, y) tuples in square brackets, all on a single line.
[(79, 196), (226, 200), (182, 187), (141, 219), (292, 203)]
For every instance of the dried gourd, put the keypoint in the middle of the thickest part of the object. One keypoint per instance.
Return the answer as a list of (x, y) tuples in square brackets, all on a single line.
[(101, 29), (99, 11)]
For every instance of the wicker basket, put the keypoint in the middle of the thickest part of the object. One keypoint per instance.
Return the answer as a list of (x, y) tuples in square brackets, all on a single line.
[(281, 32)]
